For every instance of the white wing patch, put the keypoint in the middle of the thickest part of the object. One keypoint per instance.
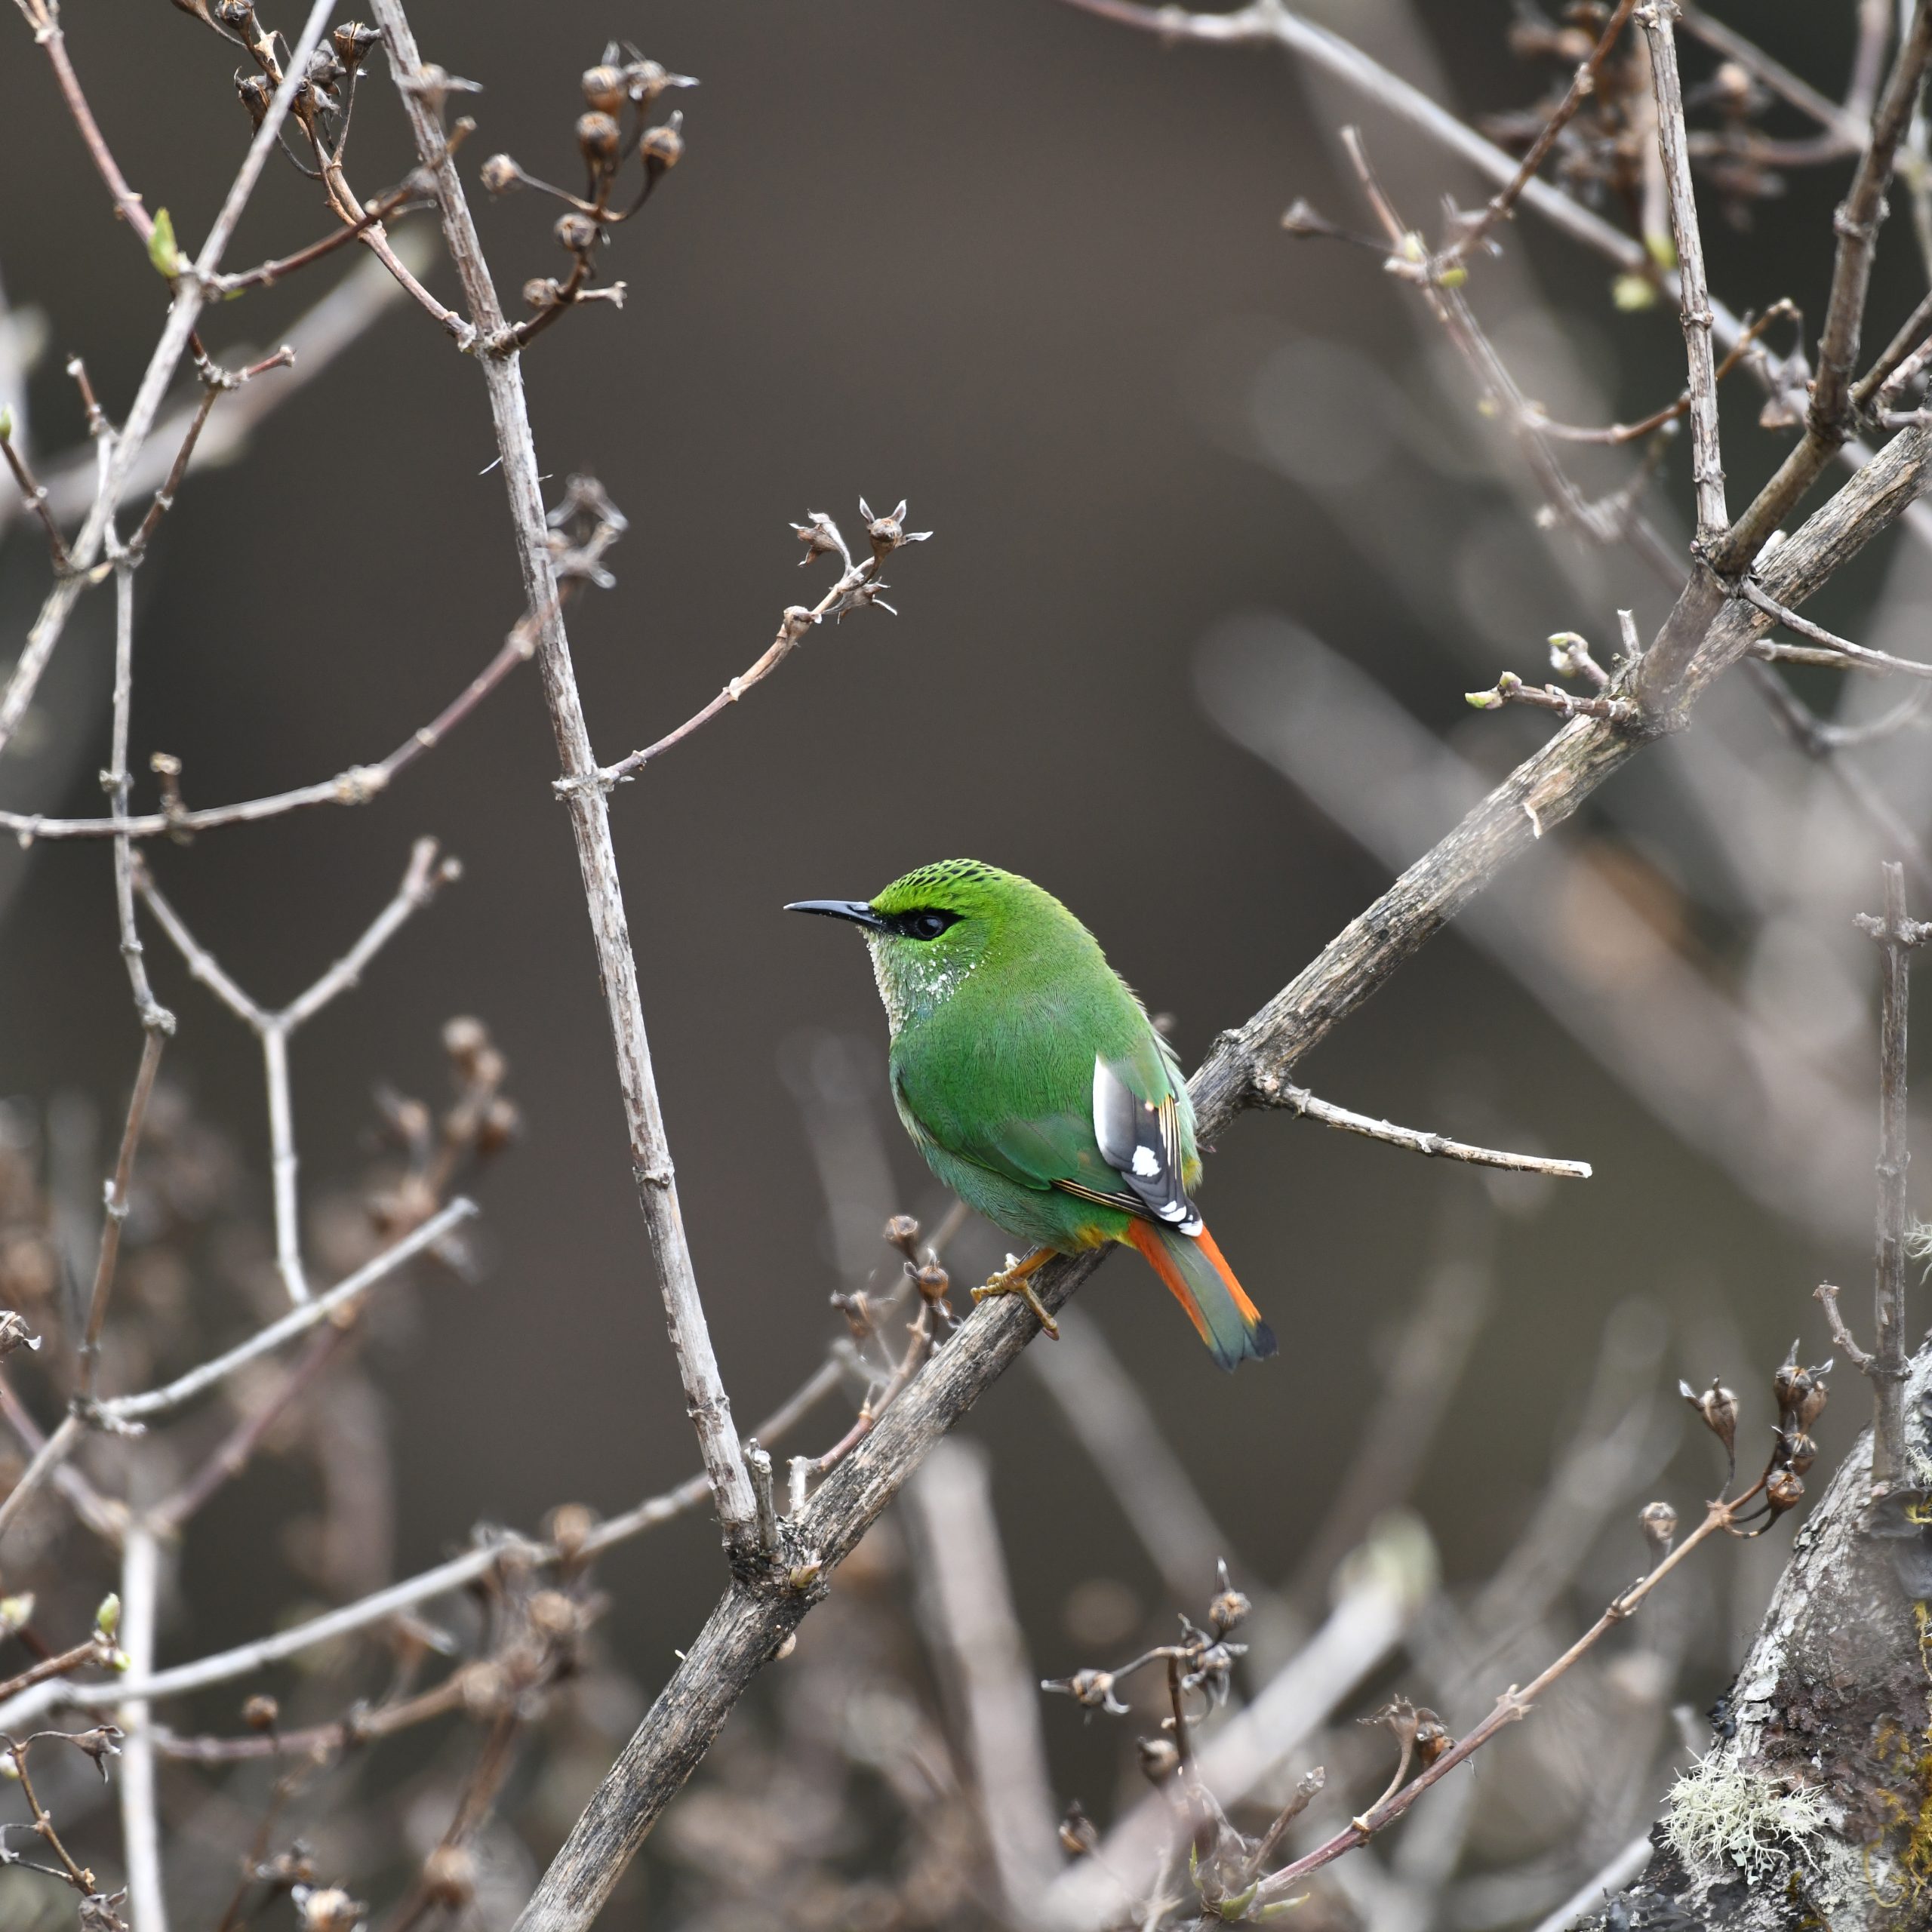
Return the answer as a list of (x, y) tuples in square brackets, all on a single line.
[(1142, 1139)]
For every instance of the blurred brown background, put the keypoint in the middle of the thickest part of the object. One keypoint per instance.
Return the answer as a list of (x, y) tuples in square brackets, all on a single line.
[(1026, 270)]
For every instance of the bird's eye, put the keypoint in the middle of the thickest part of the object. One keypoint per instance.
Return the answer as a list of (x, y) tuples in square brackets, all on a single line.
[(928, 925)]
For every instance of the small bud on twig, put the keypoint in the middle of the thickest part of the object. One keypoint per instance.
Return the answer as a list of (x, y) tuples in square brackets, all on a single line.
[(1659, 1521)]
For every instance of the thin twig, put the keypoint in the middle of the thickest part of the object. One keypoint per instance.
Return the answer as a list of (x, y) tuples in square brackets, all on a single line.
[(705, 1395), (1843, 651), (358, 786), (190, 296), (1583, 85), (297, 1321), (1271, 1090), (1511, 1706), (114, 1213), (33, 494), (424, 878), (46, 1458)]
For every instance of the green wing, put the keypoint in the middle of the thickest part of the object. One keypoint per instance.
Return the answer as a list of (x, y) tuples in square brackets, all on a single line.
[(1133, 1105)]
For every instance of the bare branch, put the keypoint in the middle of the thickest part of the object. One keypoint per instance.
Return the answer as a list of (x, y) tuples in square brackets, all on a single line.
[(1272, 1091), (651, 1158), (190, 296), (297, 1321), (1707, 463)]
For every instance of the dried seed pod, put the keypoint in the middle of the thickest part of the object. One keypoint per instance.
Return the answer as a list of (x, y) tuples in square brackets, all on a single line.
[(464, 1038), (932, 1282), (1658, 1522), (499, 1126), (1432, 1737), (603, 88), (1785, 1383), (255, 93), (555, 1615), (1783, 1491), (1092, 1689), (1230, 1607), (1077, 1833), (1717, 1406), (901, 1232), (1159, 1758), (597, 139), (449, 1876), (539, 292), (1796, 1451), (328, 1910), (353, 43), (576, 232), (261, 1713), (570, 1525), (499, 174), (662, 147), (238, 15)]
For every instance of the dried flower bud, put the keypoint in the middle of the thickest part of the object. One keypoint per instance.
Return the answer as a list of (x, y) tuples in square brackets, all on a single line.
[(1783, 1491), (261, 1713), (254, 93), (100, 1744), (1159, 1758), (576, 232), (1718, 1408), (485, 1689), (498, 1127), (662, 147), (1796, 1452), (449, 1876), (539, 292), (1093, 1690), (353, 42), (555, 1615), (1659, 1521), (328, 1910), (239, 15), (1432, 1737), (1077, 1833), (570, 1525), (603, 88), (15, 1333), (645, 80), (1399, 1717), (499, 174), (597, 139), (463, 1038), (1229, 1608), (1786, 1380), (901, 1232), (1800, 1390)]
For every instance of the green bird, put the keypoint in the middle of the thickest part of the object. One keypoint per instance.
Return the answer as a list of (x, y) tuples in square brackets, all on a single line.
[(1033, 1082)]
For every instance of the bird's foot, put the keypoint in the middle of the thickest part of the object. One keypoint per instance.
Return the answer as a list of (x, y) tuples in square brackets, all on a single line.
[(1015, 1278)]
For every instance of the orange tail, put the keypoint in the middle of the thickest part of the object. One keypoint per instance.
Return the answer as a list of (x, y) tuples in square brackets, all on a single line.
[(1200, 1279)]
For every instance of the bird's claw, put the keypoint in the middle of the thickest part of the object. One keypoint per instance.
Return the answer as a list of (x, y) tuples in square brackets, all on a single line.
[(1017, 1278)]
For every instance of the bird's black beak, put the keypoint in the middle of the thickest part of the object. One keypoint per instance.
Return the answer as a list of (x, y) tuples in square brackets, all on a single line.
[(856, 910)]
